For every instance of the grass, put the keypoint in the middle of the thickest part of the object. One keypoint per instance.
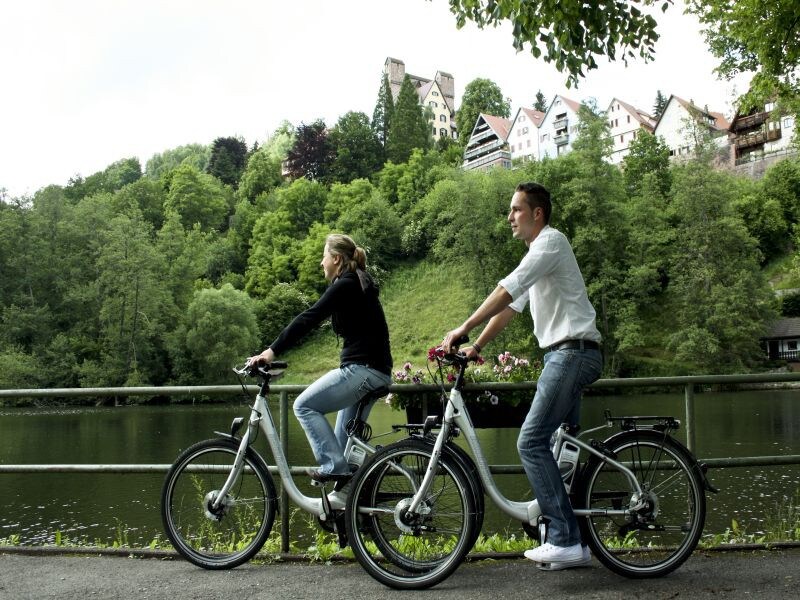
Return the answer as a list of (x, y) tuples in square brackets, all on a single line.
[(421, 302), (779, 273)]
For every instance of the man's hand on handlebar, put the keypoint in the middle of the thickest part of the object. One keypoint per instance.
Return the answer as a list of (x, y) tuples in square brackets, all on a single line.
[(453, 339)]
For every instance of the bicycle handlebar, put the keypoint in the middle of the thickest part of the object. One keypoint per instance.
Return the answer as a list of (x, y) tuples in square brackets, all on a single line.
[(254, 369)]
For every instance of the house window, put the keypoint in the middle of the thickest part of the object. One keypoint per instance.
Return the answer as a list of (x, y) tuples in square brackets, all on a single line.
[(455, 135), (622, 138), (524, 130), (433, 104), (529, 143), (788, 122), (770, 106), (434, 93), (629, 118), (443, 118), (434, 131), (443, 132)]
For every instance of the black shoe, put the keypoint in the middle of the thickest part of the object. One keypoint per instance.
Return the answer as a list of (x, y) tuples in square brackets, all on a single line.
[(320, 477)]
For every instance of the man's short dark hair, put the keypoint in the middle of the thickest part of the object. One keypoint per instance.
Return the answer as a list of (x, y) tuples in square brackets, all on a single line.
[(537, 195)]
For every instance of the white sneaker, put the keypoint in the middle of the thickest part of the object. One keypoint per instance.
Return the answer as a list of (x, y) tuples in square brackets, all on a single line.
[(554, 558)]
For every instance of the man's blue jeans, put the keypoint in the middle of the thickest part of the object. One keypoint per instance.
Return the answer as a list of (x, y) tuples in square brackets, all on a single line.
[(557, 401), (339, 389)]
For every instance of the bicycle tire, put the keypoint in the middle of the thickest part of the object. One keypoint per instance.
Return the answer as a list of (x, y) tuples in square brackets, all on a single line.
[(460, 455), (661, 536), (425, 550), (232, 534)]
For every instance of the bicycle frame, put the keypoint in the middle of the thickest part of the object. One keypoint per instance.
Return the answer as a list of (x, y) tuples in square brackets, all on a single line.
[(261, 417), (456, 414)]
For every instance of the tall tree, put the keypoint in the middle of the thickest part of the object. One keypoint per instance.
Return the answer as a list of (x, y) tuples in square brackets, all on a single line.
[(409, 129), (541, 102), (197, 198), (719, 300), (571, 32), (647, 154), (758, 37), (262, 174), (383, 113), (228, 159), (160, 164), (659, 104), (311, 155), (131, 298), (219, 329), (356, 148), (480, 96)]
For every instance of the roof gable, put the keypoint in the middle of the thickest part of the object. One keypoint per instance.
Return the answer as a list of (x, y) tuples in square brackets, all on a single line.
[(499, 125), (642, 117), (720, 122), (571, 105)]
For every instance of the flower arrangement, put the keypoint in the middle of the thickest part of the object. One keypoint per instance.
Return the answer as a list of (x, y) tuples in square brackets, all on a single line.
[(507, 368)]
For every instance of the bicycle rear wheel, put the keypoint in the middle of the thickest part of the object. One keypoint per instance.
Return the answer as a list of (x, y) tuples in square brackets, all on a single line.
[(402, 550), (657, 538), (231, 534)]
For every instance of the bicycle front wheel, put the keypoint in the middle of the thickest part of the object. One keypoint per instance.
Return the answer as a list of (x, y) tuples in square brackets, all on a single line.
[(233, 531), (400, 549), (662, 527)]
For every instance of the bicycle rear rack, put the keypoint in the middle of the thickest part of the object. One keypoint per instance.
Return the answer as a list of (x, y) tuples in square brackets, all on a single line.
[(657, 423)]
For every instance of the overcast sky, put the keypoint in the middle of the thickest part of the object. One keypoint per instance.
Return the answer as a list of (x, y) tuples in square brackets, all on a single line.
[(88, 82)]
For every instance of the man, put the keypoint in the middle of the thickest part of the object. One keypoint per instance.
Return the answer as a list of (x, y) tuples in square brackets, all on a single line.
[(563, 323)]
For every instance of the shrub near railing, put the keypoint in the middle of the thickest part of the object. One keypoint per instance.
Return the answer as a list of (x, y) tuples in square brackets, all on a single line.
[(506, 408)]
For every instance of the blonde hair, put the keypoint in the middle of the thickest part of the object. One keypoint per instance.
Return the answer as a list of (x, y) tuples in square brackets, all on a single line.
[(353, 257)]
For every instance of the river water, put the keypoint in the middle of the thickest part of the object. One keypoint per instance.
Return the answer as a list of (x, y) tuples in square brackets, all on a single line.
[(34, 508)]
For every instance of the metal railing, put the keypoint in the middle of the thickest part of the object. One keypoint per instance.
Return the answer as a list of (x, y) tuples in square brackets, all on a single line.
[(688, 383)]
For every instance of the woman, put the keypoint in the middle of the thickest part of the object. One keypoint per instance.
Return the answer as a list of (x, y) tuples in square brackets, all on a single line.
[(351, 301)]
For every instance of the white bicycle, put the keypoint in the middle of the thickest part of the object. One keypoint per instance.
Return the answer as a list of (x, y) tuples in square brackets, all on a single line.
[(639, 497), (218, 501)]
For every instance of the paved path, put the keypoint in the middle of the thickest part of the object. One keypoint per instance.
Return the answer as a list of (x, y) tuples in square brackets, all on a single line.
[(773, 574)]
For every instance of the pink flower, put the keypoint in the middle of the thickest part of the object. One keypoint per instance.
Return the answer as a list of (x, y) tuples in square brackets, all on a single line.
[(507, 369), (451, 378), (407, 366)]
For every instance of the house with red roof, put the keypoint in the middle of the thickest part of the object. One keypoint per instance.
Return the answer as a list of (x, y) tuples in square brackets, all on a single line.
[(523, 135), (488, 146), (559, 127), (625, 121), (677, 123)]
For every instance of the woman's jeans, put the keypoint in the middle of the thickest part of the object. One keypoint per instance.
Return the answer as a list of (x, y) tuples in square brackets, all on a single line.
[(339, 389), (557, 401)]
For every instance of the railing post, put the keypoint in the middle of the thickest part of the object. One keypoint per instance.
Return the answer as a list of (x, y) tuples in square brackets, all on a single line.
[(284, 427), (689, 395)]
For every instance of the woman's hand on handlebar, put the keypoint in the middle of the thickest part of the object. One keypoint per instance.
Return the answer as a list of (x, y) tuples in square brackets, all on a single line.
[(265, 358)]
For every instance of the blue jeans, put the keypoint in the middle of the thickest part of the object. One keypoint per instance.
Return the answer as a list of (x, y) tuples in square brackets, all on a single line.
[(339, 389), (557, 401)]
